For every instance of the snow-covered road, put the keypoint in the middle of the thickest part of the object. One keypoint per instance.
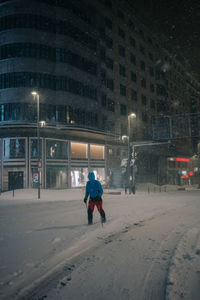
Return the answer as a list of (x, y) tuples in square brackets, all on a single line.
[(148, 249)]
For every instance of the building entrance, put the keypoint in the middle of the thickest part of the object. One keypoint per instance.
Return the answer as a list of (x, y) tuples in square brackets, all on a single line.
[(15, 180)]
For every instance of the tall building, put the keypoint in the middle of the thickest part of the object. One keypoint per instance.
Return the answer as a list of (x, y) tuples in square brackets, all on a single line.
[(91, 64)]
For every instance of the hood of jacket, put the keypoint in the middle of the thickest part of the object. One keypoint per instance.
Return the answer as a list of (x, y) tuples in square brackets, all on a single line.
[(91, 176)]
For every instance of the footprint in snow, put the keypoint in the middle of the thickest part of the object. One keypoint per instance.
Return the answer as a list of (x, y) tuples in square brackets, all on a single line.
[(107, 241), (56, 240)]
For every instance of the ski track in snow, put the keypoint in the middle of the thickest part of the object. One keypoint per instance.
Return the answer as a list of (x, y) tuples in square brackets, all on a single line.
[(163, 256), (96, 263)]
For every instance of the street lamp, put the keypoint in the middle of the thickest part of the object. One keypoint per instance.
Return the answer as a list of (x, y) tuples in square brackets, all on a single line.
[(131, 115), (37, 97)]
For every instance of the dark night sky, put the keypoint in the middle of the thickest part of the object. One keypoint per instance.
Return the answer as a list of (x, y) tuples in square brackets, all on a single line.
[(179, 20)]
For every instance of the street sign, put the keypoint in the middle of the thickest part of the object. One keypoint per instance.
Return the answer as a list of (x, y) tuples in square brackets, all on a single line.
[(35, 177)]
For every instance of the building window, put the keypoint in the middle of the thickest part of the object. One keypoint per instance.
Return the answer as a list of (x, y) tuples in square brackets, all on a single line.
[(56, 149), (103, 53), (108, 23), (121, 51), (122, 90), (79, 150), (103, 76), (143, 82), (141, 33), (2, 112), (150, 56), (131, 25), (121, 33), (133, 76), (151, 71), (109, 42), (56, 177), (144, 100), (142, 65), (133, 95), (122, 70), (103, 100), (109, 63), (142, 50), (46, 81), (150, 40), (14, 148), (79, 176), (97, 152), (132, 42), (120, 14), (111, 105), (152, 88), (110, 84), (47, 24), (34, 148), (152, 103), (123, 110), (133, 59), (144, 117)]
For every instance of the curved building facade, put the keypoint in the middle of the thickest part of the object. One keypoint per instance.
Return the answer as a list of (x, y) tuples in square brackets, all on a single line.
[(52, 48)]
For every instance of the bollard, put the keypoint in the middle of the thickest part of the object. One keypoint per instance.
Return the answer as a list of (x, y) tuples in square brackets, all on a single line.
[(13, 192), (148, 190)]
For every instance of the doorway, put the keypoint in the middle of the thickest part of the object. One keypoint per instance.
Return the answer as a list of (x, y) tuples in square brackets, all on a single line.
[(15, 180)]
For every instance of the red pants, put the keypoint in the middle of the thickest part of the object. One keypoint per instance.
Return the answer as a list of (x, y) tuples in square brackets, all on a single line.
[(91, 206), (98, 204)]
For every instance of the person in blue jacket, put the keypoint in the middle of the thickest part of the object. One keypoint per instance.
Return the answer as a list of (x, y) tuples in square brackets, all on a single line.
[(95, 191)]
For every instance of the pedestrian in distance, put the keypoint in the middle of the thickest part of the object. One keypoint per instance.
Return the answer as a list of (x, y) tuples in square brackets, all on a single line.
[(95, 191)]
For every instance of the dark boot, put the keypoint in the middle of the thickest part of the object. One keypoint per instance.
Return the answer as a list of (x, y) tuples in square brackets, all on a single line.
[(90, 216), (103, 216)]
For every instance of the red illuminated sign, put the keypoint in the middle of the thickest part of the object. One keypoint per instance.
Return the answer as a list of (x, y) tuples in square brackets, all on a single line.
[(182, 159), (184, 176), (191, 173)]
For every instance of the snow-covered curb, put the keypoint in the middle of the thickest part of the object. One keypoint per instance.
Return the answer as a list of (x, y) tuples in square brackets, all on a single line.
[(184, 271), (46, 195)]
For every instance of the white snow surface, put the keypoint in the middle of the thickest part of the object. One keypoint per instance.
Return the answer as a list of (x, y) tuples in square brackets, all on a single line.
[(150, 240)]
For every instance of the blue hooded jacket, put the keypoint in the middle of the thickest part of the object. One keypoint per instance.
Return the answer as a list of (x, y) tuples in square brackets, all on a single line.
[(93, 187)]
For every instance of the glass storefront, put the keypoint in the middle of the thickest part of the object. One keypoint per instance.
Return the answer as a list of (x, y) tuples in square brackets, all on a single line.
[(56, 177), (97, 152), (34, 148), (14, 148), (55, 163), (79, 177), (56, 149), (79, 150)]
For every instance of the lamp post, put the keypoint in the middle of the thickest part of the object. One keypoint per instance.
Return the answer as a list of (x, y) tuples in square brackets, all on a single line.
[(131, 115), (37, 97)]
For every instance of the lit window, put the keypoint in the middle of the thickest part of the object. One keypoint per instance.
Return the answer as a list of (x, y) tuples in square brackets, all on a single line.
[(96, 152), (79, 150)]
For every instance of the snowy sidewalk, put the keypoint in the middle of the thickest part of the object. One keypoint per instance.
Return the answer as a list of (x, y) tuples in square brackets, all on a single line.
[(24, 196), (48, 195)]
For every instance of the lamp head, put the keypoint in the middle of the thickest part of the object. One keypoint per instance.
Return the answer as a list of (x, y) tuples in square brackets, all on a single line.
[(42, 123), (34, 93), (124, 137), (132, 115)]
